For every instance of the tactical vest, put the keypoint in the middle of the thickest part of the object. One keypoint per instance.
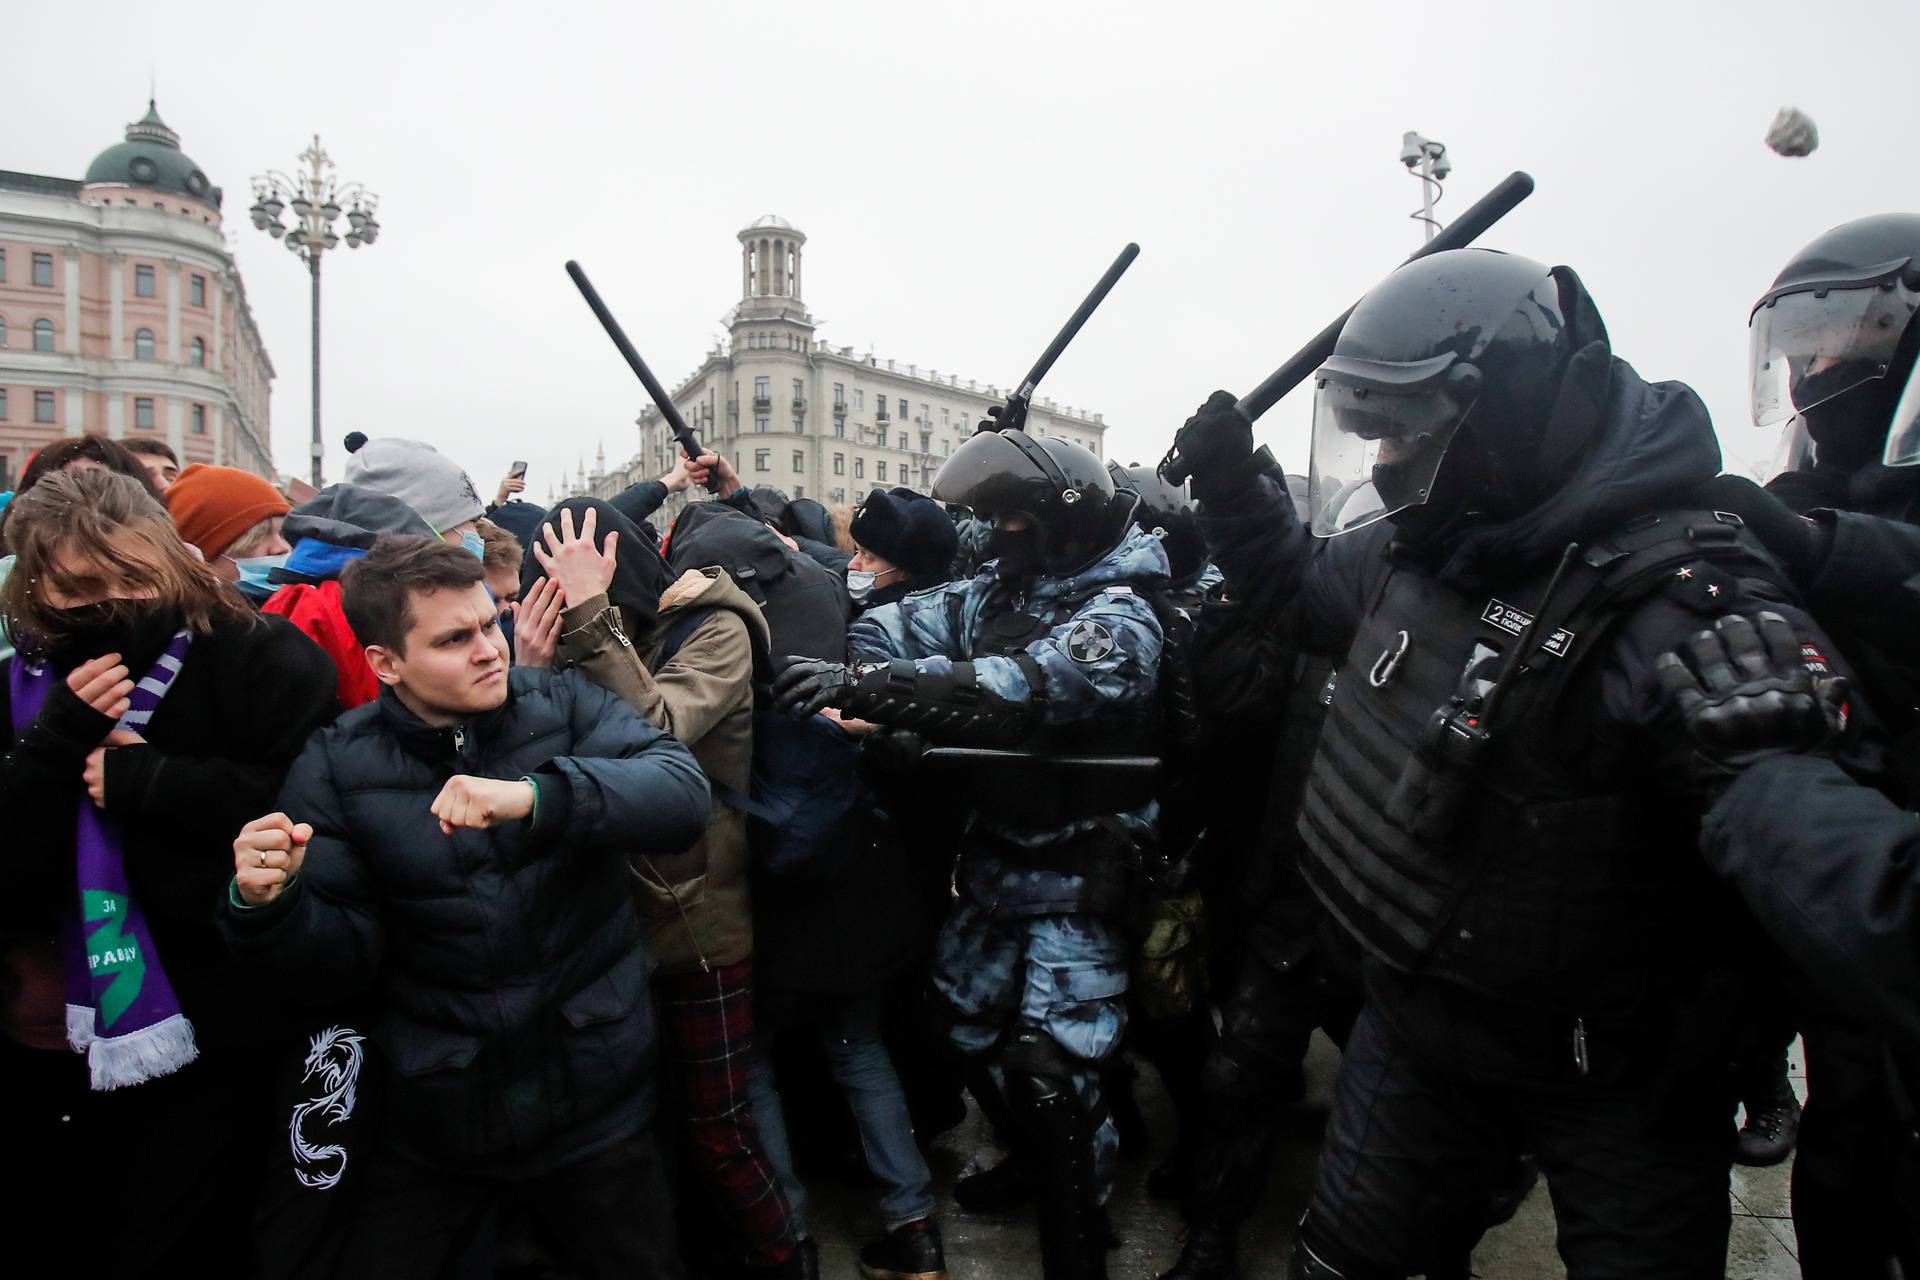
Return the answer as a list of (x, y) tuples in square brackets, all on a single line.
[(1504, 865)]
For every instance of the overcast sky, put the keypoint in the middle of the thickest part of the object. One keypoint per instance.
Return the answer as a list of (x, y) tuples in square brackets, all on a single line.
[(963, 175)]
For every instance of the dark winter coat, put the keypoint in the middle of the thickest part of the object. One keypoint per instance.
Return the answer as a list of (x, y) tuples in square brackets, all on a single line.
[(247, 699), (505, 968)]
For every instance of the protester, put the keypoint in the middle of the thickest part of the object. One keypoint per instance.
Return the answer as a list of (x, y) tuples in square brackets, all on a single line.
[(236, 521), (147, 714), (501, 554), (158, 457), (74, 452), (458, 850), (425, 479), (681, 651), (903, 542), (330, 531)]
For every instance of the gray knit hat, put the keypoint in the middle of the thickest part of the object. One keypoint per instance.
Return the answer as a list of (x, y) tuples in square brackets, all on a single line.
[(420, 476)]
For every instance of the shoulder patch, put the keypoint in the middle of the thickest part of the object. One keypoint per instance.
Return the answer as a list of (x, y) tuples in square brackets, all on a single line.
[(1089, 641)]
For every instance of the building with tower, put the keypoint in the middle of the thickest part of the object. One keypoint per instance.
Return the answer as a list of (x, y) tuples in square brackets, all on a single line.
[(817, 420), (122, 311)]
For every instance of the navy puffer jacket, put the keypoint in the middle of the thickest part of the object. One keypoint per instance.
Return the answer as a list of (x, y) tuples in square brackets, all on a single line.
[(507, 980)]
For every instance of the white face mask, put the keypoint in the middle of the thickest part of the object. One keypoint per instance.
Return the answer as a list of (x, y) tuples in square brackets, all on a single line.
[(860, 583)]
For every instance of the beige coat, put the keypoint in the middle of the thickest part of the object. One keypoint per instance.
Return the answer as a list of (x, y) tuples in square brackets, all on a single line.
[(695, 906)]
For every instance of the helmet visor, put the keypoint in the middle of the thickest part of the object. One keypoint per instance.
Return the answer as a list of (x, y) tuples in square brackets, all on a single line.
[(1376, 452), (1808, 347), (1794, 452), (1903, 430)]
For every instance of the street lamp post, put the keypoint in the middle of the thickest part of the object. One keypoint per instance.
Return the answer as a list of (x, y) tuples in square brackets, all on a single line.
[(317, 198), (1426, 160)]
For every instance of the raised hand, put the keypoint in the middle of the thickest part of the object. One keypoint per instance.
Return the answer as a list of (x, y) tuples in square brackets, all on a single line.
[(582, 569), (481, 802), (266, 855), (536, 625)]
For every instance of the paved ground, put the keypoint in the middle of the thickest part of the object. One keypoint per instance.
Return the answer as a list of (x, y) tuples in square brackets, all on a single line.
[(980, 1248)]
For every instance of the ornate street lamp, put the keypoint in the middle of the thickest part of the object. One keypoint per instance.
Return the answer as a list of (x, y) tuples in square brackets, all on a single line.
[(317, 198)]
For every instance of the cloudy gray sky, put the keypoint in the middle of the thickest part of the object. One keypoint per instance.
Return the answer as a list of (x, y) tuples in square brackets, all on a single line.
[(963, 174)]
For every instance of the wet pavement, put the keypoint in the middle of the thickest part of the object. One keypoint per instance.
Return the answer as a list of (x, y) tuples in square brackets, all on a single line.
[(1004, 1248)]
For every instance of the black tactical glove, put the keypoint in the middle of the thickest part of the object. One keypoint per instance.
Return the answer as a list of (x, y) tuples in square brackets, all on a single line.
[(805, 685), (1800, 543), (1753, 696), (1216, 443)]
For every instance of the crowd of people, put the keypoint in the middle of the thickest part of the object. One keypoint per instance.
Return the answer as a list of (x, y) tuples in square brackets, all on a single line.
[(402, 883)]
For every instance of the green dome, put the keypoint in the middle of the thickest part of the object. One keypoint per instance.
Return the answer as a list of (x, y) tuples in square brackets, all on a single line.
[(151, 158)]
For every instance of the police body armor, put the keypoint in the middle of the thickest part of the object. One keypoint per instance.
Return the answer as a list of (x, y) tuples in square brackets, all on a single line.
[(1501, 864)]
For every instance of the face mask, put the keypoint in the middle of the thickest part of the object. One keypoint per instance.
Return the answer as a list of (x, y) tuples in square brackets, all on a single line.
[(860, 584), (471, 541), (253, 574), (1017, 550), (137, 630)]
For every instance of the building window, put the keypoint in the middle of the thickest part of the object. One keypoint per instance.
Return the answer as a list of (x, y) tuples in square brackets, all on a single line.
[(839, 464), (199, 419), (43, 335), (143, 411), (903, 439), (840, 427), (3, 331), (760, 422), (944, 418), (43, 270), (197, 291), (143, 282), (903, 408), (3, 266), (880, 469), (799, 460), (143, 344), (197, 353), (859, 468), (839, 391), (762, 459), (43, 406), (859, 398), (3, 404)]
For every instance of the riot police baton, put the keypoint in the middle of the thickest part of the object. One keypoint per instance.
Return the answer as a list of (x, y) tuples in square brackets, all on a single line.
[(1458, 234), (1014, 416), (675, 423)]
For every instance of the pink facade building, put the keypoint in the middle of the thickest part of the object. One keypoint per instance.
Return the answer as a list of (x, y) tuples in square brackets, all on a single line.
[(122, 311)]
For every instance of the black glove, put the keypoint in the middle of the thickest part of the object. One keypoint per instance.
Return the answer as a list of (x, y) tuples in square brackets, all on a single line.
[(805, 685), (1753, 696), (1216, 442), (1800, 543), (1008, 417)]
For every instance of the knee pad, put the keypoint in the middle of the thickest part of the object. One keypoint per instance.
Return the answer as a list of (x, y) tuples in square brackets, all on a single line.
[(1037, 1067)]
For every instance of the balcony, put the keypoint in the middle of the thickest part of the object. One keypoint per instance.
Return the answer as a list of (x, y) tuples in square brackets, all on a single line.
[(880, 415), (763, 404), (799, 407), (839, 410)]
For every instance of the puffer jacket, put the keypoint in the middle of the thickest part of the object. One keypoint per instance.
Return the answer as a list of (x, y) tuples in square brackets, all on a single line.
[(505, 966), (695, 902)]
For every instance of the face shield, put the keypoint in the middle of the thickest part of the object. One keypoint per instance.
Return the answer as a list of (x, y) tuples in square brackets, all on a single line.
[(1794, 452), (1380, 432), (1808, 346)]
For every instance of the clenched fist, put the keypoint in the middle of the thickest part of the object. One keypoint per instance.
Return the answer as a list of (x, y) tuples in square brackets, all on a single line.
[(481, 802), (267, 855)]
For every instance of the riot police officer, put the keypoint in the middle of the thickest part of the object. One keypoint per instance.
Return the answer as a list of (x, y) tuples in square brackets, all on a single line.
[(1052, 650), (1505, 534)]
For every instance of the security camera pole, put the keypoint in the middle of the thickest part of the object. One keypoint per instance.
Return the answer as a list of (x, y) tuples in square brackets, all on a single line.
[(1426, 160)]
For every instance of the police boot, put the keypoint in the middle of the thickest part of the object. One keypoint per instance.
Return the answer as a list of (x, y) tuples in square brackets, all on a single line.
[(1001, 1189), (1057, 1129), (1211, 1252), (1773, 1122)]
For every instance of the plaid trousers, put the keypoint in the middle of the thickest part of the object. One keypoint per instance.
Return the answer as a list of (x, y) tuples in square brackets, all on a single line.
[(706, 1041)]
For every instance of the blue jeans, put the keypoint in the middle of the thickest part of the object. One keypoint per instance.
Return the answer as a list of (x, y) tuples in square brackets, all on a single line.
[(848, 1032)]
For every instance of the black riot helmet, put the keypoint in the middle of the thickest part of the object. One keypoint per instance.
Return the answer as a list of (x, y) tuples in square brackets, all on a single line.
[(1167, 512), (1061, 487), (1456, 358), (1833, 342)]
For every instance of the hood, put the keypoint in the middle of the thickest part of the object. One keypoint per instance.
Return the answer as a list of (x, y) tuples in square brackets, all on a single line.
[(1137, 560), (337, 525), (1655, 446), (713, 588)]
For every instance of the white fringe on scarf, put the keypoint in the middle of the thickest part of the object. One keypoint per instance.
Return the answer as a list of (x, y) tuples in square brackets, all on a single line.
[(146, 1054)]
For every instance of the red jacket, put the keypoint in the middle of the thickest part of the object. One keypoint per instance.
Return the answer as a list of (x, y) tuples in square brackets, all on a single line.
[(317, 611)]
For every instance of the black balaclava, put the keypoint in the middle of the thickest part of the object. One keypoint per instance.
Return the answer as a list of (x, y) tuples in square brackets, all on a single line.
[(1017, 550), (640, 574), (1850, 430)]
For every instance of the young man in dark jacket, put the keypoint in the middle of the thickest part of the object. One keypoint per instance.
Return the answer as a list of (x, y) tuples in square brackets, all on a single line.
[(458, 849)]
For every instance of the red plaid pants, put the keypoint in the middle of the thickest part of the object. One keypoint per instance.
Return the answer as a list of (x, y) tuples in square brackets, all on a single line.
[(706, 1039)]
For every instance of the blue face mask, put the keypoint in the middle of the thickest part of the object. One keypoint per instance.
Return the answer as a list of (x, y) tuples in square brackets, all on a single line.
[(253, 581), (471, 541)]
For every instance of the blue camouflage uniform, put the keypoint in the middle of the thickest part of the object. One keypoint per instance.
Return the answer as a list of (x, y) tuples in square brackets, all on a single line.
[(1033, 943)]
